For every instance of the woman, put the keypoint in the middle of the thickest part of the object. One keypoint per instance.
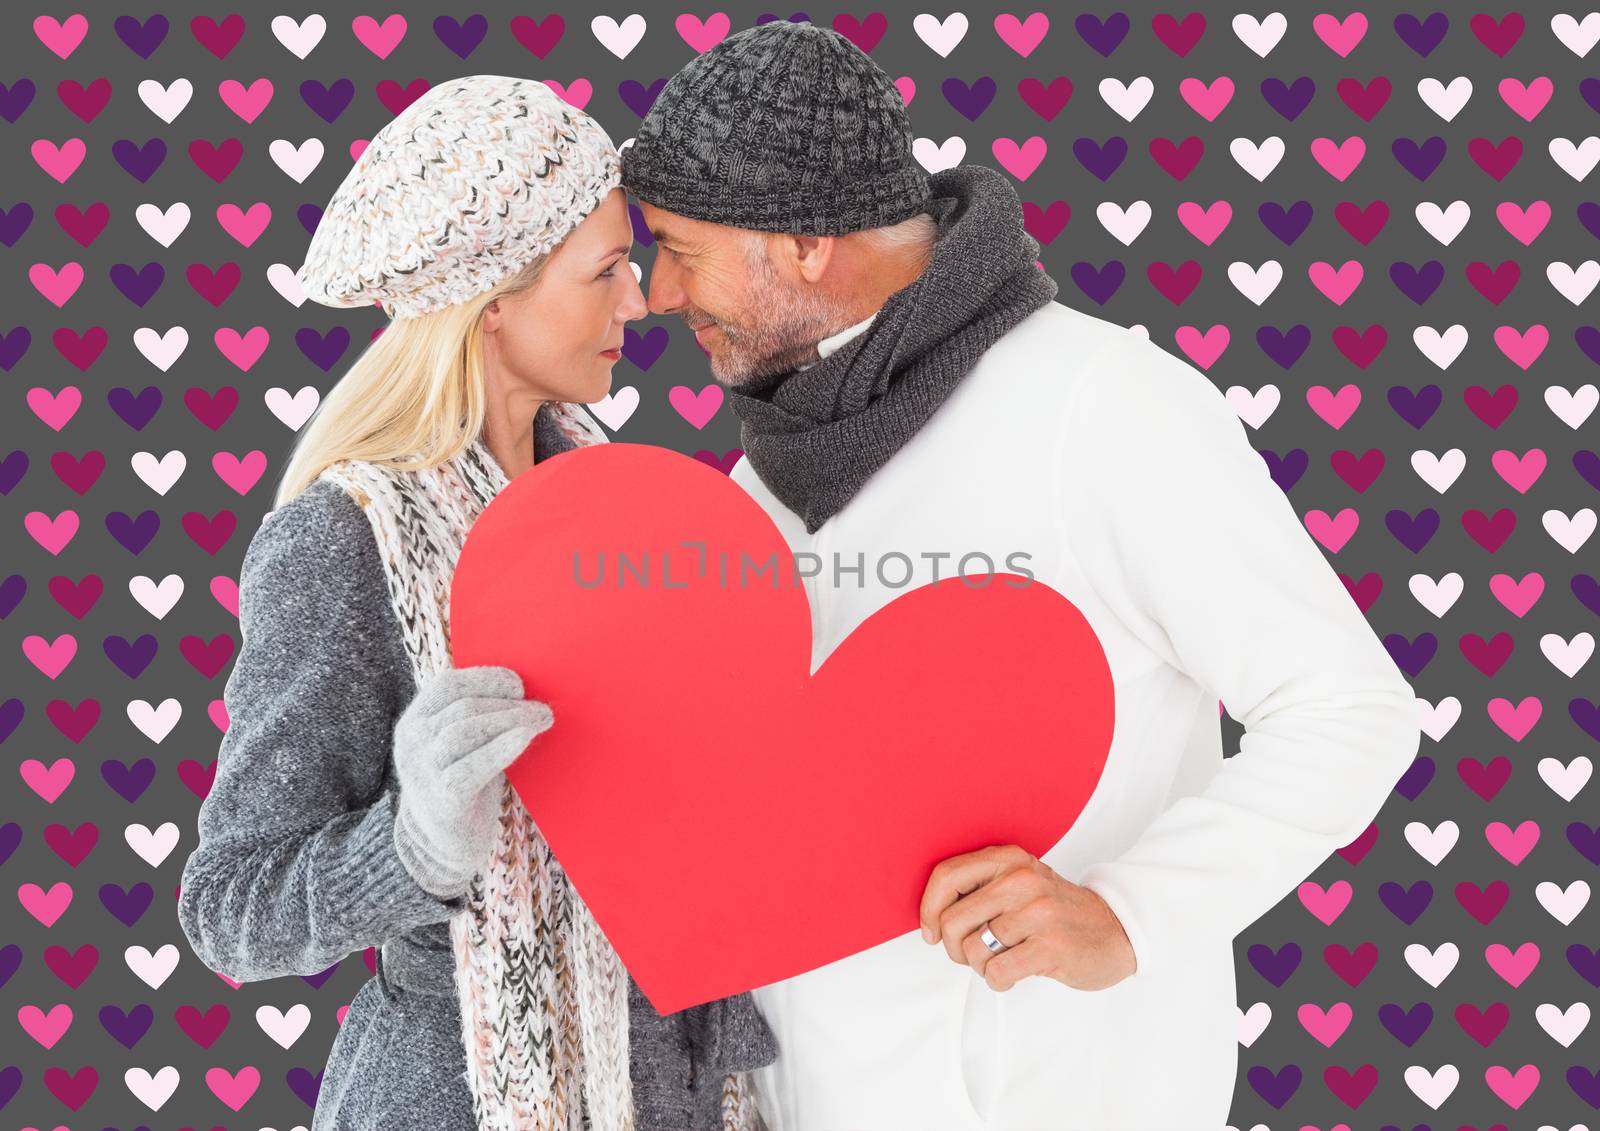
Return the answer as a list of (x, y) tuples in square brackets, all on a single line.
[(360, 798)]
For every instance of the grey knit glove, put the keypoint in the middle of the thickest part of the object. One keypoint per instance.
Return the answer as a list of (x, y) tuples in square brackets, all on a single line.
[(452, 745)]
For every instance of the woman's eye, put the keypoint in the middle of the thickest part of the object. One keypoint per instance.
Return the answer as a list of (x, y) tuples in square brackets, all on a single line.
[(607, 273)]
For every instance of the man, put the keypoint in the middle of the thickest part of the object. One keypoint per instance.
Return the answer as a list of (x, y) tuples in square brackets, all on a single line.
[(907, 385)]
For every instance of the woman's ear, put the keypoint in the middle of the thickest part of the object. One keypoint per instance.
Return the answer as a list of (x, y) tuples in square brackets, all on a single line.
[(491, 316)]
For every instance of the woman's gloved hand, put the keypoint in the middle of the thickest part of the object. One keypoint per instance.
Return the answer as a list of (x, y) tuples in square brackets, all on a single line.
[(452, 745)]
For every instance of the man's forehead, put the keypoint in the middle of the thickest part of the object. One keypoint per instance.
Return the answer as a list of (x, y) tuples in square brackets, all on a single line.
[(666, 225)]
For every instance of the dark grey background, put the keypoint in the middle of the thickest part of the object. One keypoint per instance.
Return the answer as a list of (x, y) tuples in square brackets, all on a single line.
[(900, 52)]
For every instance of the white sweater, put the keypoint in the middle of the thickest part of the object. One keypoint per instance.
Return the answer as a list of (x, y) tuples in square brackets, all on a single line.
[(1125, 474)]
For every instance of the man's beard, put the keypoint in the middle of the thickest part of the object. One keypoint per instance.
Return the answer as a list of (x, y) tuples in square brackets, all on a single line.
[(785, 328)]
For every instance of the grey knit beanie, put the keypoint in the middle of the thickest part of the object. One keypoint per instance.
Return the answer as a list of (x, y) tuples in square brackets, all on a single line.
[(782, 127)]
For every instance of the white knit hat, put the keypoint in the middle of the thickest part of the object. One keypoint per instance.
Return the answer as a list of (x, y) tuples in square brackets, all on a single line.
[(459, 191)]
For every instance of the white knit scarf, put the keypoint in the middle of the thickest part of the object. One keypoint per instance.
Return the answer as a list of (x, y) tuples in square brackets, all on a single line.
[(544, 997)]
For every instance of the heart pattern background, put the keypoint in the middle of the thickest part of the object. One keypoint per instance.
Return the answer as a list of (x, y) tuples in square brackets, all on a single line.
[(1363, 226)]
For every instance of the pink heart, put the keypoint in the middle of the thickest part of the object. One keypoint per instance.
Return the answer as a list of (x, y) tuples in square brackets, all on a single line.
[(51, 533), (1338, 159), (240, 474), (62, 38), (1333, 531), (358, 147), (1326, 904), (46, 1028), (1334, 408), (1511, 965), (1205, 224), (1021, 36), (1340, 35), (246, 101), (50, 657), (243, 350), (217, 712), (1517, 720), (1526, 101), (233, 1089), (1517, 596), (703, 35), (244, 226), (1514, 845), (1521, 472), (907, 88), (62, 161), (51, 781), (696, 408), (1523, 224), (1020, 160), (380, 39), (57, 286), (1207, 101), (1336, 283), (45, 906), (1202, 348), (55, 409), (1513, 1088), (1523, 349), (578, 94), (226, 591), (1326, 1026)]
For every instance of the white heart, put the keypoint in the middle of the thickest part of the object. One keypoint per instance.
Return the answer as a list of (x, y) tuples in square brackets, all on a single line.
[(1255, 409), (159, 474), (1256, 284), (1257, 160), (293, 410), (1444, 224), (152, 1091), (1568, 780), (283, 1027), (1432, 1088), (1123, 223), (1437, 596), (1127, 101), (1441, 349), (153, 846), (1253, 1022), (1432, 966), (1261, 36), (163, 227), (937, 158), (1575, 160), (1574, 283), (619, 39), (1573, 408), (1445, 101), (1438, 719), (161, 350), (1433, 845), (155, 723), (1576, 37), (152, 969), (941, 35), (300, 38), (1439, 472), (166, 102), (156, 599), (617, 407), (1564, 1026), (1564, 905), (1569, 531), (299, 162), (286, 283)]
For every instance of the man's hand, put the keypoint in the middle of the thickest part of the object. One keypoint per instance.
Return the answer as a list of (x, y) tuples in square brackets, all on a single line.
[(1050, 925)]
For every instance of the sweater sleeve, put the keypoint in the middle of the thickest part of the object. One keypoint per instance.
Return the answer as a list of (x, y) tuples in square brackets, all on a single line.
[(295, 866), (1188, 539)]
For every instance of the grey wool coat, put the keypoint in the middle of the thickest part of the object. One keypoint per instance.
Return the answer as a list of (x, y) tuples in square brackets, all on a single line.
[(295, 865)]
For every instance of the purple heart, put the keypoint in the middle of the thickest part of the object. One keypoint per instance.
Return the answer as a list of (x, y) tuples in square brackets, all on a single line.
[(1589, 217), (1584, 1084), (1585, 838), (1415, 408), (309, 215), (1100, 160), (127, 905), (1417, 283), (1103, 36), (1419, 160), (140, 161), (1411, 656), (1288, 469), (969, 101), (1588, 339), (138, 285), (131, 657), (1585, 961), (768, 17), (1276, 966), (1289, 101), (637, 97), (641, 230), (1586, 715), (135, 409), (462, 38), (14, 222), (10, 1081), (129, 782), (644, 350), (1413, 533), (10, 960), (13, 344), (1407, 1025), (11, 712), (134, 534), (1274, 1087), (315, 981), (1416, 778), (127, 1029), (15, 99), (1590, 90), (1098, 283), (327, 102), (1422, 36), (10, 837), (12, 590), (1587, 465), (1284, 346), (1584, 587), (1406, 904), (323, 350), (1288, 224), (12, 469), (142, 38), (303, 1084)]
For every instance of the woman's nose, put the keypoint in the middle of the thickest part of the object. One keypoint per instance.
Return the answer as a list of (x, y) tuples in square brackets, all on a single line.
[(635, 307)]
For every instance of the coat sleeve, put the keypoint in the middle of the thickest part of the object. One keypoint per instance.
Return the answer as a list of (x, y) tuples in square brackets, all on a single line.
[(1188, 539), (296, 866)]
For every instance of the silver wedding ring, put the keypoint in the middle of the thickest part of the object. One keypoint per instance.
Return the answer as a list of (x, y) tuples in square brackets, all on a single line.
[(988, 940)]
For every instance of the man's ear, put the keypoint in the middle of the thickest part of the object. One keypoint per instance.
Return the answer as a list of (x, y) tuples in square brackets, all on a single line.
[(811, 255)]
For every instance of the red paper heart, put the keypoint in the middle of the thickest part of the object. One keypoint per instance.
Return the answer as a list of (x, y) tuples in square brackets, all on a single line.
[(729, 818)]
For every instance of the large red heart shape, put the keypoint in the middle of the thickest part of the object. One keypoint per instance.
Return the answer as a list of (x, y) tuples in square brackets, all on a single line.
[(730, 818)]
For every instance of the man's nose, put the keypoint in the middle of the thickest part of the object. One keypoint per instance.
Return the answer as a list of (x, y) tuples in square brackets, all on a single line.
[(665, 294)]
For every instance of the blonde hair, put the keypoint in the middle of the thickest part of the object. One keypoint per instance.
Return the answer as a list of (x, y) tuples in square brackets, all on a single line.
[(413, 399)]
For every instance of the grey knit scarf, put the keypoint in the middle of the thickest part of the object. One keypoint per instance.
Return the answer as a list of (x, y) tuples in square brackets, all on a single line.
[(815, 435)]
